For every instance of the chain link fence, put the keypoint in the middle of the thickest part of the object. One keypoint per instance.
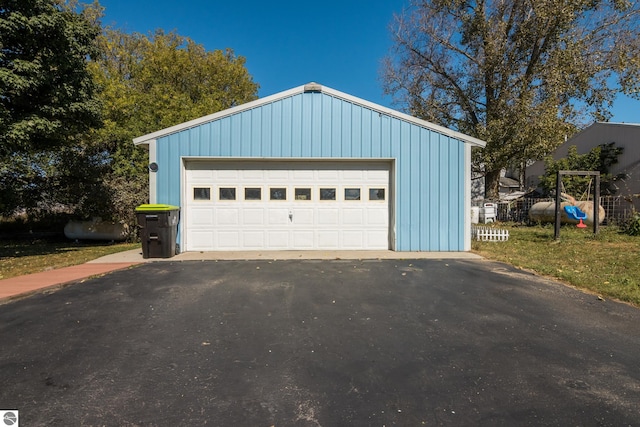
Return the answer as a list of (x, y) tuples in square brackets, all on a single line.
[(617, 209)]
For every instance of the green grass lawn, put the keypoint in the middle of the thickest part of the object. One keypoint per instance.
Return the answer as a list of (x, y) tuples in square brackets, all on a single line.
[(25, 257), (607, 264)]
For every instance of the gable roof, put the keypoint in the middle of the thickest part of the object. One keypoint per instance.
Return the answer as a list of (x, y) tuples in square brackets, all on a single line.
[(310, 87)]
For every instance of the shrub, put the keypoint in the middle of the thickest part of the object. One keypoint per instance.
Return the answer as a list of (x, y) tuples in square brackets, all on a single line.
[(632, 225)]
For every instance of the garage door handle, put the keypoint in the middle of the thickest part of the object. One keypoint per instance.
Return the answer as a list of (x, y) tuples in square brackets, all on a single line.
[(291, 216)]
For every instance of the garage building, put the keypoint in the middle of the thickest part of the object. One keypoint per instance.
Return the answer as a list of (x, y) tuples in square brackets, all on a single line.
[(313, 168)]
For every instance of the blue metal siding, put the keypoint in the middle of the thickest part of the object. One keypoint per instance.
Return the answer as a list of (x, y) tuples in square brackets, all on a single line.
[(429, 180)]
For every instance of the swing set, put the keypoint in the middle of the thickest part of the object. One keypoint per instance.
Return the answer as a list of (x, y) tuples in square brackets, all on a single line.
[(574, 212)]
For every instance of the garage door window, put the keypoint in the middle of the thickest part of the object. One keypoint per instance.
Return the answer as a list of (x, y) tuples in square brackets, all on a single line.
[(352, 194), (278, 194), (303, 193), (227, 193), (327, 194), (201, 193), (253, 193), (376, 194)]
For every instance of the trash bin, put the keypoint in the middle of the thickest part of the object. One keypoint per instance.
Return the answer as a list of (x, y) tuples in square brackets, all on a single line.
[(158, 230)]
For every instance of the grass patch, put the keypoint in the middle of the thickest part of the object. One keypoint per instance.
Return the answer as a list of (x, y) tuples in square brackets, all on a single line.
[(18, 258), (607, 264)]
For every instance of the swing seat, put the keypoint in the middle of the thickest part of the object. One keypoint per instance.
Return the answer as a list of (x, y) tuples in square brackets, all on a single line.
[(575, 213)]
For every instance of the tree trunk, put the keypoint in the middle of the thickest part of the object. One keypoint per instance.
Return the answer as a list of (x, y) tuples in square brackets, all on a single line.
[(492, 185)]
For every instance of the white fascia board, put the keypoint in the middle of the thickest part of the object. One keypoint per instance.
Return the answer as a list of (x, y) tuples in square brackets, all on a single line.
[(300, 89)]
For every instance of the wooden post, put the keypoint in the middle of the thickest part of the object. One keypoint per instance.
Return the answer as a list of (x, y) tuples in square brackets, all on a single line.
[(596, 205), (556, 233)]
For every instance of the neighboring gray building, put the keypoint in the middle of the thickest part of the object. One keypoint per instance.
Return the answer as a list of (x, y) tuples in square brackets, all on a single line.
[(625, 135)]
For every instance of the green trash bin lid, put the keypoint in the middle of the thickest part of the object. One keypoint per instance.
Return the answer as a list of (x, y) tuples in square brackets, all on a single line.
[(156, 208)]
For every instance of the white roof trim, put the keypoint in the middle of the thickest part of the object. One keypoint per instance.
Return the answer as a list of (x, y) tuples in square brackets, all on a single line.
[(145, 139)]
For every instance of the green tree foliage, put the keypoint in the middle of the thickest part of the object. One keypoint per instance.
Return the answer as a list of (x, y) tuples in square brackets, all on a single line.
[(600, 158), (46, 92), (47, 98), (519, 74), (150, 83)]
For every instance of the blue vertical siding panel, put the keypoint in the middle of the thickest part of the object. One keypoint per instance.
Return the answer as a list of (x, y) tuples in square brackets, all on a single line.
[(417, 192), (225, 137), (215, 142), (444, 194), (252, 130), (434, 188), (457, 226), (376, 134), (237, 137), (410, 137), (403, 187), (336, 131), (286, 142), (356, 131), (385, 136), (425, 219), (267, 132), (345, 136), (275, 146), (367, 148), (204, 143), (316, 126), (326, 149), (308, 116), (296, 126)]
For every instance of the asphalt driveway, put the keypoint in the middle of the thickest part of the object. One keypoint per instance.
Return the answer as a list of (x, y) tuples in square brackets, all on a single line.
[(320, 343)]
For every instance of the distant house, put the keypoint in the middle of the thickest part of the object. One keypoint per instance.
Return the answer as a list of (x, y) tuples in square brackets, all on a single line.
[(625, 135)]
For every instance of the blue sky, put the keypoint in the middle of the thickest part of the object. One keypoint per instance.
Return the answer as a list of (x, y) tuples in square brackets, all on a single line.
[(288, 43)]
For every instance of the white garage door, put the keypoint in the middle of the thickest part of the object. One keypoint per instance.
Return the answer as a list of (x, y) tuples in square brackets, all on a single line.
[(286, 205)]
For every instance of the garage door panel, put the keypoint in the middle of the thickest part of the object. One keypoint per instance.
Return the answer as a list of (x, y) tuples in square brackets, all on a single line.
[(228, 175), (377, 216), (277, 240), (328, 239), (248, 217), (353, 239), (201, 240), (302, 217), (202, 216), (303, 175), (353, 216), (227, 216), (355, 175), (253, 239), (303, 239), (378, 239), (328, 175), (253, 216), (228, 239), (278, 175), (278, 216), (250, 174)]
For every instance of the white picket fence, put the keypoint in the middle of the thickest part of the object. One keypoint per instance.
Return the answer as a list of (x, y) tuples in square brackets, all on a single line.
[(487, 234)]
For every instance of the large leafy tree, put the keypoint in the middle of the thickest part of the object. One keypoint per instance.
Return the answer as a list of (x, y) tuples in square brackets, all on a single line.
[(47, 97), (150, 82), (520, 74), (46, 92)]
